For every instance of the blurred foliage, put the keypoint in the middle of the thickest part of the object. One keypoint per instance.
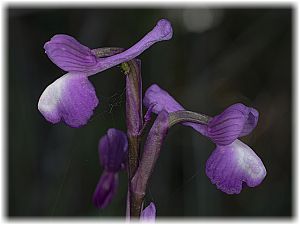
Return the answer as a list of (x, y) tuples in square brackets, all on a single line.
[(217, 57)]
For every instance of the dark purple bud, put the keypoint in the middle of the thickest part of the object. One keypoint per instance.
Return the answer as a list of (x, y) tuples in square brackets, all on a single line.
[(149, 213), (235, 121), (106, 189), (113, 149), (229, 166), (68, 54), (71, 98)]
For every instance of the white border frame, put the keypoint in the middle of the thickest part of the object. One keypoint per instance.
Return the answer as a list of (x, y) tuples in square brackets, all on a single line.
[(122, 3)]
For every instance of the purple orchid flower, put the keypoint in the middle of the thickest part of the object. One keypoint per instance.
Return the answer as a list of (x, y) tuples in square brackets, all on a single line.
[(73, 100), (148, 214), (232, 162), (113, 150)]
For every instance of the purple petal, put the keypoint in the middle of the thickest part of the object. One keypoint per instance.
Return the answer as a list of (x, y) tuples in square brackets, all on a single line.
[(149, 213), (235, 121), (160, 100), (229, 166), (106, 189), (113, 148), (68, 54), (71, 98)]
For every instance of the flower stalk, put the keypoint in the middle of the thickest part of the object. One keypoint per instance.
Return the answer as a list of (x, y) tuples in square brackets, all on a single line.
[(134, 116), (149, 157), (134, 122)]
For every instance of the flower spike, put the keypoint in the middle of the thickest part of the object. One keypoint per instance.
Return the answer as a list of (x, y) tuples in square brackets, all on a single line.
[(68, 54), (229, 166), (71, 98)]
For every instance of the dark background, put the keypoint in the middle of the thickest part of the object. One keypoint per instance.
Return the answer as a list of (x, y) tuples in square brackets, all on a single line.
[(216, 57)]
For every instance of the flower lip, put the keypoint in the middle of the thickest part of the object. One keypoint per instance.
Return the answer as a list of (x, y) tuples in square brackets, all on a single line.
[(229, 166), (71, 98)]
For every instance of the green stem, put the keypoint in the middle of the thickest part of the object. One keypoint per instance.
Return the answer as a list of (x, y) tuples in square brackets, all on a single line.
[(187, 116)]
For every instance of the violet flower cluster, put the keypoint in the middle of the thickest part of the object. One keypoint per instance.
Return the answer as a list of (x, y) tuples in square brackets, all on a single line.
[(72, 99)]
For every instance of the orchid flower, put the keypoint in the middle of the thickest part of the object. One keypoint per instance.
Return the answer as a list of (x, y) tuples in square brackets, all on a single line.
[(113, 150), (232, 162), (72, 97)]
